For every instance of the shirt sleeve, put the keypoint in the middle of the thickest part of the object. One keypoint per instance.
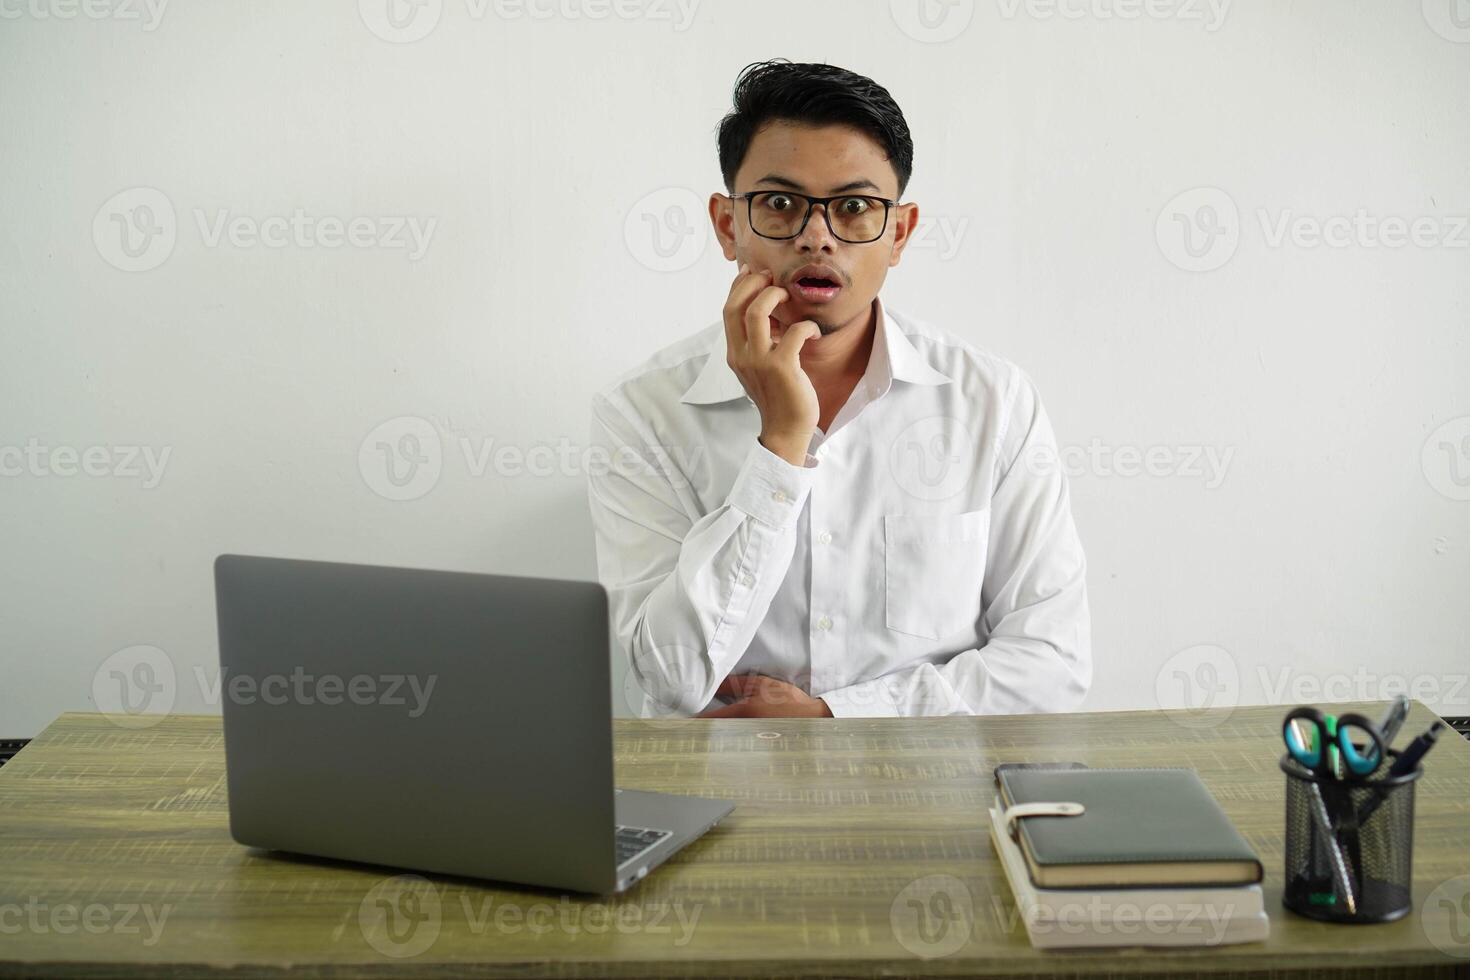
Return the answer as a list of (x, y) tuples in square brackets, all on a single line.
[(686, 591), (1038, 653)]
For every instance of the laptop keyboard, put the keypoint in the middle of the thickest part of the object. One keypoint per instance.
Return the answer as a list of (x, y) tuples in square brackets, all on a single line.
[(633, 841)]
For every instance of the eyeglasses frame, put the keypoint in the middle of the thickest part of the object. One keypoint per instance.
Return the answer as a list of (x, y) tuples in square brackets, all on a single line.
[(811, 203)]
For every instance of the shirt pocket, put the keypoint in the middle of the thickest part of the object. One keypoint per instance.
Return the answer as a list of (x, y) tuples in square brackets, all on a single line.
[(934, 568)]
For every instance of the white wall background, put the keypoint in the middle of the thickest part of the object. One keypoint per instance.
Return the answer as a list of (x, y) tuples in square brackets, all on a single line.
[(1329, 560)]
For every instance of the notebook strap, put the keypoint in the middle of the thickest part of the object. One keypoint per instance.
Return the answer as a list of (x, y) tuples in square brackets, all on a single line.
[(1018, 810)]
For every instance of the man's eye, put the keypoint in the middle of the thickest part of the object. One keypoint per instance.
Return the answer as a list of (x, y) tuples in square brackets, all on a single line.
[(853, 205), (779, 202)]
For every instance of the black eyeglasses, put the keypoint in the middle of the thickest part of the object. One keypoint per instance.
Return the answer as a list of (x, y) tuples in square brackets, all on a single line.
[(856, 219)]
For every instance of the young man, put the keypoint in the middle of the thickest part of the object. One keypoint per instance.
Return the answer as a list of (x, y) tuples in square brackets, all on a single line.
[(836, 509)]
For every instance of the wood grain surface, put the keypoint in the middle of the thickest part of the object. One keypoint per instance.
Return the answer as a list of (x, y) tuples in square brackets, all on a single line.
[(858, 848)]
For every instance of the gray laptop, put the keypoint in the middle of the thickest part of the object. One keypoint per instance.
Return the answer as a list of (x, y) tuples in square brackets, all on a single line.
[(436, 721)]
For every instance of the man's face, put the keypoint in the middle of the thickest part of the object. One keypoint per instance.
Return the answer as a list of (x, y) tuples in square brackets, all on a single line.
[(820, 161)]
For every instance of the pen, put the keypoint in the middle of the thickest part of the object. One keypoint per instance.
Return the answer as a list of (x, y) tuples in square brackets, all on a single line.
[(1407, 762), (1408, 759), (1393, 719), (1334, 757), (1341, 878)]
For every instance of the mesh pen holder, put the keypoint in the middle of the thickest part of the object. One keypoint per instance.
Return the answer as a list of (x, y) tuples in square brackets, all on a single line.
[(1368, 875)]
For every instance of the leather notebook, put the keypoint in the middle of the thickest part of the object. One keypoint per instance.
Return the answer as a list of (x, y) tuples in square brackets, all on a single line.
[(1157, 827)]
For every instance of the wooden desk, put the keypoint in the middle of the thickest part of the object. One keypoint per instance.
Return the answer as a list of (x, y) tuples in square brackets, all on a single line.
[(808, 877)]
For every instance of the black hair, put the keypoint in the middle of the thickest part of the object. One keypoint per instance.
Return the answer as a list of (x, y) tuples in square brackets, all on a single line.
[(819, 95)]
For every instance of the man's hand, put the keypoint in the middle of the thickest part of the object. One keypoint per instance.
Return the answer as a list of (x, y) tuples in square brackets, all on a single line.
[(770, 370), (758, 696)]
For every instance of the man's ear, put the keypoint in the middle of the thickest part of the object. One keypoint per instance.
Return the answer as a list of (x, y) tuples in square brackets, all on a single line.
[(905, 219), (722, 217)]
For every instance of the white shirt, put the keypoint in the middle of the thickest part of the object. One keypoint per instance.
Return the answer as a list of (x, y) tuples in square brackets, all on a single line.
[(923, 561)]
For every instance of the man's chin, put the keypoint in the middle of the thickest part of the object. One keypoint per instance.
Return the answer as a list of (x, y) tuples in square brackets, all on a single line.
[(825, 325), (778, 330)]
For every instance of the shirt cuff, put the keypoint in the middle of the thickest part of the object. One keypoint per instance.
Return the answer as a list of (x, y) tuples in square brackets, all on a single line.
[(869, 699), (769, 488)]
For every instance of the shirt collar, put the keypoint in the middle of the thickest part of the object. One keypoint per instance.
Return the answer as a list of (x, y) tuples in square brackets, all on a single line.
[(893, 358)]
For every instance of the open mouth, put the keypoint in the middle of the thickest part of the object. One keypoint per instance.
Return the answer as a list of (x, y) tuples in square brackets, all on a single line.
[(816, 289)]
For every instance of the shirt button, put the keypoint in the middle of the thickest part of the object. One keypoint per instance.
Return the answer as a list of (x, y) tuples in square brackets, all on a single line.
[(747, 580), (825, 537), (824, 624), (779, 496)]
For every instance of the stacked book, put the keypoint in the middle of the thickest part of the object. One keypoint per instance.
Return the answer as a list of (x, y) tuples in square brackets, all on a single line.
[(1124, 857)]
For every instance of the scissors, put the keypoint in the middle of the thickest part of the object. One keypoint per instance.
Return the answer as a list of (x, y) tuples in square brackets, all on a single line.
[(1328, 744)]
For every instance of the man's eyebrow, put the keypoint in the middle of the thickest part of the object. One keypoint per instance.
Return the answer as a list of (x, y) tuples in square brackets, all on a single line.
[(852, 185)]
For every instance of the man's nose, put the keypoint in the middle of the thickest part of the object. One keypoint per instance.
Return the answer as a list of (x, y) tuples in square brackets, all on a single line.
[(816, 236)]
